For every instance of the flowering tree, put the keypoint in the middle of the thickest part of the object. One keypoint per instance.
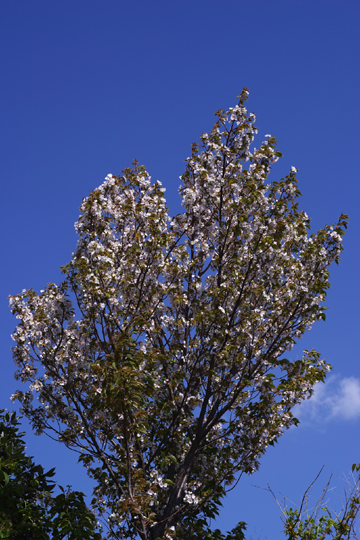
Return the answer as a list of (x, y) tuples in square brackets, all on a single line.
[(162, 352)]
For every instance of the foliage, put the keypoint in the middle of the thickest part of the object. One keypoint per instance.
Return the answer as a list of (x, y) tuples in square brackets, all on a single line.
[(160, 358), (28, 509), (319, 523), (201, 531)]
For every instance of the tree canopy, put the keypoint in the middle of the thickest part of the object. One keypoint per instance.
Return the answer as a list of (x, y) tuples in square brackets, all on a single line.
[(28, 508), (161, 358)]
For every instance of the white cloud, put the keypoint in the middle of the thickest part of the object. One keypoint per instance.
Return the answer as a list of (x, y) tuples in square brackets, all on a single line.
[(347, 403), (336, 399)]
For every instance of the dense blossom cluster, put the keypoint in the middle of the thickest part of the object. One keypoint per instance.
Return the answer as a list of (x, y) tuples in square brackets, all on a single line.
[(162, 352)]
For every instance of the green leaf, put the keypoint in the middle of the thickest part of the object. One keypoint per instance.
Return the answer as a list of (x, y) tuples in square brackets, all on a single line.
[(5, 476)]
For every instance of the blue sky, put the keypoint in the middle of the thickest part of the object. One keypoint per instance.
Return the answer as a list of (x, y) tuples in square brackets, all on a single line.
[(88, 86)]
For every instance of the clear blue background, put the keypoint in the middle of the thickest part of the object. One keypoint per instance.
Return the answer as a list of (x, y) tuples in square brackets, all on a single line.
[(88, 86)]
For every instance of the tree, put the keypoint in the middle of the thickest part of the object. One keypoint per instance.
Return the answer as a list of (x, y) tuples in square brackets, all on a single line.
[(162, 352), (316, 521), (28, 510)]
